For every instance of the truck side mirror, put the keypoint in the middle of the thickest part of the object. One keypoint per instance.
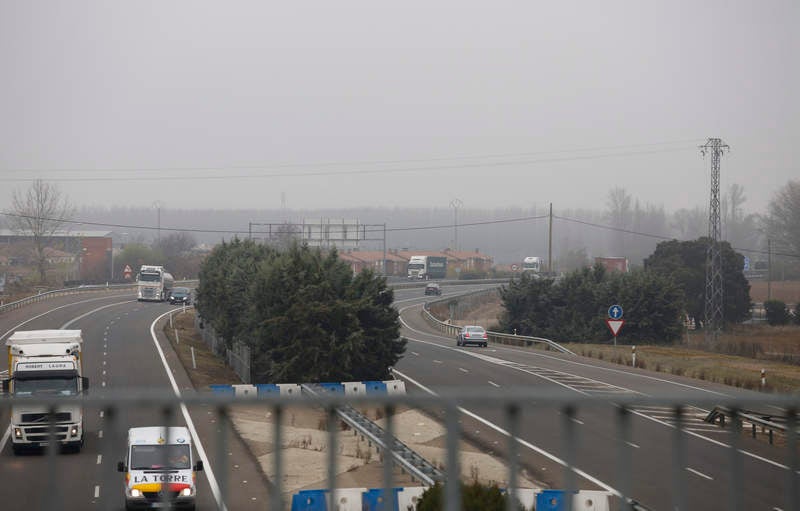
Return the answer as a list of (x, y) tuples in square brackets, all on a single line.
[(5, 385), (84, 383), (198, 467), (120, 466)]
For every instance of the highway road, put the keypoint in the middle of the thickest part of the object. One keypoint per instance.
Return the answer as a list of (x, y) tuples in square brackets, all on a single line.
[(119, 353), (433, 363)]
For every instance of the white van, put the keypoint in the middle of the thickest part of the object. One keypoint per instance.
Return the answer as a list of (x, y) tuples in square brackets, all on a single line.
[(158, 469)]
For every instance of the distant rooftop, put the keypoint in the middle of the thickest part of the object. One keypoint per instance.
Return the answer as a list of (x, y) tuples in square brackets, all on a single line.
[(60, 234)]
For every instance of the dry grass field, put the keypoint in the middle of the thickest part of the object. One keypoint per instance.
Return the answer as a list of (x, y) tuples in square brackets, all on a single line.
[(787, 291)]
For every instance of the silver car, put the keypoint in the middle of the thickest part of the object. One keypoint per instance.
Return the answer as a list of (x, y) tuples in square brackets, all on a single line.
[(472, 334)]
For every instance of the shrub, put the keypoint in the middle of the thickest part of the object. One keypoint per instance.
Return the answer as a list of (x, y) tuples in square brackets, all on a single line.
[(474, 497), (777, 312)]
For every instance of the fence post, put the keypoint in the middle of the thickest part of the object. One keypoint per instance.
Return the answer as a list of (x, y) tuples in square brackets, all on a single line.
[(763, 378), (194, 362), (633, 355)]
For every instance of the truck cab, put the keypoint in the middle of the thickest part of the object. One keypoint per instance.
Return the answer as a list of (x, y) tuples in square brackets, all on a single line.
[(45, 363), (158, 468)]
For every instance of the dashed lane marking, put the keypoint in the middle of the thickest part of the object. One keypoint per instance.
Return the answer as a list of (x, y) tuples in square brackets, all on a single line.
[(698, 473), (493, 384)]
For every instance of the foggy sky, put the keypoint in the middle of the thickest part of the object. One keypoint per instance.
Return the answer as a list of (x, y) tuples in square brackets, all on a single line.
[(192, 89)]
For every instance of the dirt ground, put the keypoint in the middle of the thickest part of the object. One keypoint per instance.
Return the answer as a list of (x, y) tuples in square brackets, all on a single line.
[(304, 445)]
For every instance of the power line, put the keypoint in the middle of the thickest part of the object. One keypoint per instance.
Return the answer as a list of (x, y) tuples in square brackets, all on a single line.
[(400, 229), (355, 162), (340, 172)]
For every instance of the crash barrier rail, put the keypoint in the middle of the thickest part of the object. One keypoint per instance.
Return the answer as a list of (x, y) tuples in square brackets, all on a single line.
[(496, 337), (513, 404), (411, 462), (467, 282), (767, 422), (45, 295)]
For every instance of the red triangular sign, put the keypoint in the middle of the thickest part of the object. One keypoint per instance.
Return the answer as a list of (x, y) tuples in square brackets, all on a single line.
[(615, 325)]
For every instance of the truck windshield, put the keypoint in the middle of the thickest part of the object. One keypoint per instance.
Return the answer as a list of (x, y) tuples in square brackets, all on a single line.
[(149, 277), (416, 266), (67, 386), (149, 457)]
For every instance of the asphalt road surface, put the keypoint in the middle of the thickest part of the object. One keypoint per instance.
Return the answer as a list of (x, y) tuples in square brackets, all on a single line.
[(119, 353), (704, 479)]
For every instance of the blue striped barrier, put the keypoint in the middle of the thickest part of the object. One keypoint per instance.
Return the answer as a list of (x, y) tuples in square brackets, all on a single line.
[(375, 387), (350, 388), (357, 499)]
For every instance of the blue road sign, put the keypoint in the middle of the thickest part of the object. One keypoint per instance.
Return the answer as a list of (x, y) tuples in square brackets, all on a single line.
[(615, 312), (746, 263)]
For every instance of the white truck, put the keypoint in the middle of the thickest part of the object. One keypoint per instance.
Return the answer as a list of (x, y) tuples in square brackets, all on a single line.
[(45, 363), (533, 265), (427, 267), (154, 284)]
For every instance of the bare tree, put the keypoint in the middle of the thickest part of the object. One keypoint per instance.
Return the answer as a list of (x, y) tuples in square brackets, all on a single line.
[(783, 220), (39, 212)]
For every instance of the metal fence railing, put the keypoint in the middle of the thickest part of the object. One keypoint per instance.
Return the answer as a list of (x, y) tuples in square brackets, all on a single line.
[(496, 337), (46, 295), (236, 354), (513, 405)]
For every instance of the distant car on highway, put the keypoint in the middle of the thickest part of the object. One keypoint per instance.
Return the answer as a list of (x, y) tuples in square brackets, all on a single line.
[(472, 334), (433, 289), (182, 295)]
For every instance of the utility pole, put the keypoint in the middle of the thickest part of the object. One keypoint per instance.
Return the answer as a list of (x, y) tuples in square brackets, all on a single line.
[(383, 270), (550, 244), (455, 204), (714, 284), (769, 269)]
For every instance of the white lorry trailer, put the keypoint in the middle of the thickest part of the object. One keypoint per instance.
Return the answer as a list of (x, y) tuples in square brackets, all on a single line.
[(533, 265), (45, 363), (154, 284)]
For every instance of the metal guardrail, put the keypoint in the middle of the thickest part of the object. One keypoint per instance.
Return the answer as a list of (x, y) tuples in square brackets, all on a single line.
[(61, 292), (514, 403), (71, 291), (767, 422), (404, 456), (496, 337)]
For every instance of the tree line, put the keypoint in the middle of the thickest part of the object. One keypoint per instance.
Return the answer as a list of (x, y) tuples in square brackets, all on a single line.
[(657, 299), (302, 312)]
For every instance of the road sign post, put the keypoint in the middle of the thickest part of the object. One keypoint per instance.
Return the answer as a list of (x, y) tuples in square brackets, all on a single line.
[(615, 320)]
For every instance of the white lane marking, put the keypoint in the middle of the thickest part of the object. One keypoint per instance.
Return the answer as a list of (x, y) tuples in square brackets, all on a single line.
[(212, 481), (715, 442), (493, 384), (644, 416), (104, 372), (6, 436), (99, 458), (100, 434), (97, 491), (101, 413), (73, 320), (463, 370), (437, 361), (633, 445), (16, 327), (698, 473), (415, 353), (522, 442), (576, 421), (104, 384), (568, 361)]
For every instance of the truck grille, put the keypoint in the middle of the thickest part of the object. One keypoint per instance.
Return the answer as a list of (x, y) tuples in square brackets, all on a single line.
[(45, 417), (42, 433), (155, 496)]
